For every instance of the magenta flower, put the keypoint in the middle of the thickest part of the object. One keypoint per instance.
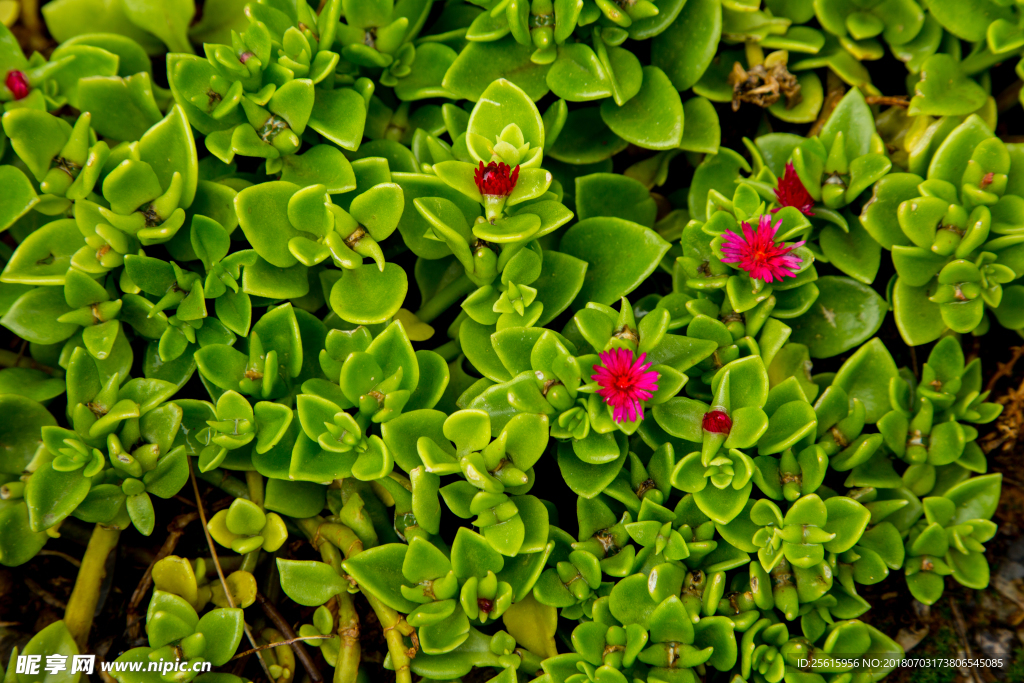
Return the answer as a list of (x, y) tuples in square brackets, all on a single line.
[(791, 192), (759, 254), (625, 382)]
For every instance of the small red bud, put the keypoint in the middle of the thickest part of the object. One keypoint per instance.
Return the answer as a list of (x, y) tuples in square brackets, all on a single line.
[(987, 180), (791, 192), (716, 422), (496, 179), (17, 84)]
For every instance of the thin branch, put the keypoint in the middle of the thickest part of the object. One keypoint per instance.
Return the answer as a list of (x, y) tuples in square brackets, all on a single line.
[(220, 571), (835, 92), (962, 632), (297, 639), (176, 529), (888, 100), (1005, 369), (10, 359), (45, 595), (64, 556), (286, 630), (1009, 97)]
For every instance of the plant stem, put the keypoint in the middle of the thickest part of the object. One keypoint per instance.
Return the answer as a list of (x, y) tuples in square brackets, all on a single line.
[(216, 561), (327, 538), (249, 561), (449, 351), (442, 300), (391, 621), (225, 482), (10, 359), (254, 482), (342, 537), (754, 53), (176, 529), (30, 15), (282, 625), (82, 605), (346, 669)]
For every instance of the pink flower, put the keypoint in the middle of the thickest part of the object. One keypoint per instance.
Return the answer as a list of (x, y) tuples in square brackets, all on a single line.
[(496, 179), (625, 382), (791, 192), (759, 254)]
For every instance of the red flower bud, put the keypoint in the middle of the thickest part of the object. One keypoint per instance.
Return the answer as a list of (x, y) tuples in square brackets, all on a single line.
[(716, 422), (17, 84), (791, 192), (494, 179)]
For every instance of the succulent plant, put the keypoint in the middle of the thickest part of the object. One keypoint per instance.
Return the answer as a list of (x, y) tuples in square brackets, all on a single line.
[(609, 309)]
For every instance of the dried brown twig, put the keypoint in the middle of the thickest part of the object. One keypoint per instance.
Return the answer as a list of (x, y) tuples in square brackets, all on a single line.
[(888, 100), (1005, 369), (176, 529), (834, 93), (220, 570), (290, 641), (282, 625)]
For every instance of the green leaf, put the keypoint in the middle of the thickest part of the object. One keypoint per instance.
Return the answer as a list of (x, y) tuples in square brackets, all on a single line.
[(976, 498), (44, 257), (309, 583), (614, 195), (263, 215), (585, 139), (853, 118), (33, 316), (944, 90), (918, 318), (55, 639), (847, 519), (845, 314), (51, 495), (339, 115), (481, 64), (685, 49), (501, 104), (601, 242), (702, 131), (367, 296), (19, 196), (379, 571), (36, 137), (168, 21), (866, 375), (583, 478), (653, 118)]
